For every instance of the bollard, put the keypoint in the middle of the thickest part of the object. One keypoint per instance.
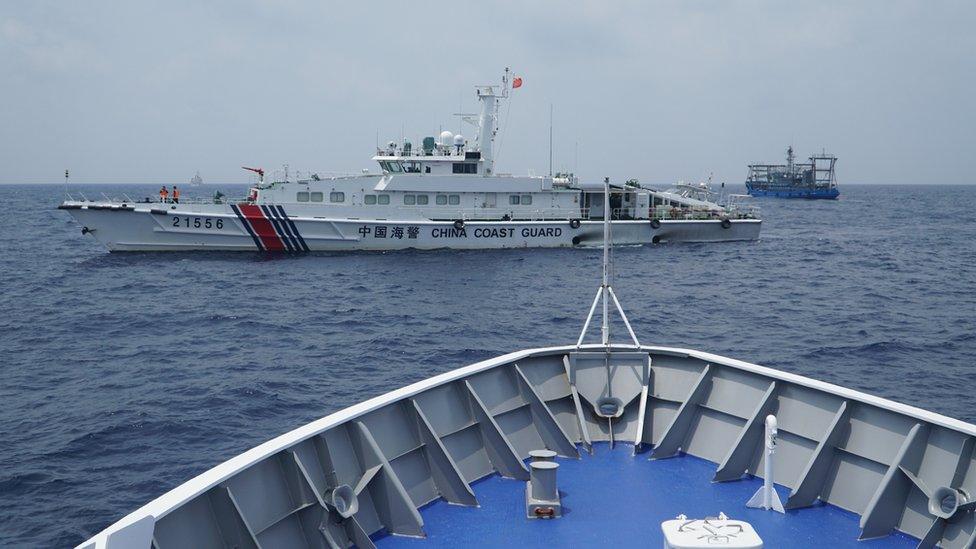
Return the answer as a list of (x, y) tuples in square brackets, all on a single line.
[(542, 455), (543, 479), (541, 492)]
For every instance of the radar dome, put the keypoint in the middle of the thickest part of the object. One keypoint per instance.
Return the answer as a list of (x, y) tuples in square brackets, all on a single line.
[(458, 140), (446, 138)]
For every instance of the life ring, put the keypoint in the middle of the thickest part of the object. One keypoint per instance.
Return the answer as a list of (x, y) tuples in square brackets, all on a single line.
[(574, 223), (726, 223), (655, 223), (459, 224)]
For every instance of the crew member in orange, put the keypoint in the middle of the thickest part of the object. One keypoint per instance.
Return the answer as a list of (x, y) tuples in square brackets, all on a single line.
[(176, 195), (164, 194)]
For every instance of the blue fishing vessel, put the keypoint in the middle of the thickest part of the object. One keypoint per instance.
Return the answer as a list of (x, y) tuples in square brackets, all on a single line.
[(814, 179)]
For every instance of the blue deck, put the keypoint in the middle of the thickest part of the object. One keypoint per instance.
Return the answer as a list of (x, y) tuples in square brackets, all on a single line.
[(615, 499)]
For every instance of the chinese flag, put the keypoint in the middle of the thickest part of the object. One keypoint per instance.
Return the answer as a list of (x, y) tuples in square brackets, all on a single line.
[(517, 82)]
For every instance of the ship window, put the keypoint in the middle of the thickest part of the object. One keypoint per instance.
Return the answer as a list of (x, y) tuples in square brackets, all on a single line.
[(422, 199), (383, 199), (395, 167), (409, 199), (336, 196), (385, 166), (426, 169), (411, 167), (526, 199), (454, 199), (465, 167), (369, 199), (316, 197), (441, 199), (302, 196), (513, 199)]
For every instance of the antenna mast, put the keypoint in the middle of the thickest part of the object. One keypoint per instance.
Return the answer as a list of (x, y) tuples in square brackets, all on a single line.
[(605, 286), (550, 139), (605, 292)]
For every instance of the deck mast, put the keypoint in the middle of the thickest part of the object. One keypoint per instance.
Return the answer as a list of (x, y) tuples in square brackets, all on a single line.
[(605, 291), (605, 286), (488, 120)]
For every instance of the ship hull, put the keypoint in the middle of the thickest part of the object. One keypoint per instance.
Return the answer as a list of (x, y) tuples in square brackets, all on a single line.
[(426, 444), (271, 228), (816, 194)]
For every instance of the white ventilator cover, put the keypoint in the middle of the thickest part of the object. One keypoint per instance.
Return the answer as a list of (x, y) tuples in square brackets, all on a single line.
[(684, 533)]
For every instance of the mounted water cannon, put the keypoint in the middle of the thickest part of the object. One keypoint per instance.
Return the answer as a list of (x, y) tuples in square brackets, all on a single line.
[(459, 143), (391, 148), (766, 497), (259, 171), (252, 193)]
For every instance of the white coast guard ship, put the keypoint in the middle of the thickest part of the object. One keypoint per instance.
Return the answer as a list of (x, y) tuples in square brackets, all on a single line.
[(444, 194)]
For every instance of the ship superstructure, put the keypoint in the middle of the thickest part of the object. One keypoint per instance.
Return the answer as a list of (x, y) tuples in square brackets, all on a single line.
[(813, 179), (444, 193)]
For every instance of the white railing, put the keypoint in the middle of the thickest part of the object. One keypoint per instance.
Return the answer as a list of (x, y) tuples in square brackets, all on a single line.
[(125, 199)]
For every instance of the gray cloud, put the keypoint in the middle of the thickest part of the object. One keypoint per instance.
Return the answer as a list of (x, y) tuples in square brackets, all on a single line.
[(153, 91)]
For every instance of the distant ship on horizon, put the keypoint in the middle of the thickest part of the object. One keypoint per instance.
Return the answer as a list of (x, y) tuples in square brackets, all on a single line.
[(196, 180), (814, 179)]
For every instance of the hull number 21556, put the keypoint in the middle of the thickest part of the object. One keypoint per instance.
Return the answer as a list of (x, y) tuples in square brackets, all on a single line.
[(198, 222)]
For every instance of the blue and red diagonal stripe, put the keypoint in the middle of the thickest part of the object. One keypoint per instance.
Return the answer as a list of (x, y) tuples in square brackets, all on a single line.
[(270, 227)]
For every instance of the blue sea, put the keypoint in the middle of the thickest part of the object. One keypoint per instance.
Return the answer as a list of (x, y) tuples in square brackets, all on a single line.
[(124, 375)]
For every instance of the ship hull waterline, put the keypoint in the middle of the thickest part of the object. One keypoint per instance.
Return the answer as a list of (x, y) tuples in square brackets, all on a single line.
[(122, 230), (818, 194)]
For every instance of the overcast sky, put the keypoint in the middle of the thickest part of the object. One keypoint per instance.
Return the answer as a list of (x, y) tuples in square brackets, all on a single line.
[(149, 92)]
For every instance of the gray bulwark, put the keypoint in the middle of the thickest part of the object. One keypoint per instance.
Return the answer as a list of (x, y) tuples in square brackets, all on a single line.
[(888, 502), (444, 471), (552, 433), (750, 440), (430, 440), (499, 448), (677, 431), (814, 476)]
